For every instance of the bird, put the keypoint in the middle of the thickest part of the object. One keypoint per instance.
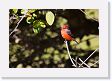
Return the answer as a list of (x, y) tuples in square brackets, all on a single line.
[(66, 33)]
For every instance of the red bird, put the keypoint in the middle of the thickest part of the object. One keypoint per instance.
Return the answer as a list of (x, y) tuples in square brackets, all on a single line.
[(66, 33)]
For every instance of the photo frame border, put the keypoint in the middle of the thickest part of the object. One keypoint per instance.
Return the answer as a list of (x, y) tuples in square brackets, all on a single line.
[(101, 72)]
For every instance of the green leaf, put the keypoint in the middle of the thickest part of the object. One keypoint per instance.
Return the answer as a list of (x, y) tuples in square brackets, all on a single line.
[(22, 11), (31, 10), (15, 10), (35, 30), (29, 20), (37, 24), (34, 15), (42, 24), (50, 18)]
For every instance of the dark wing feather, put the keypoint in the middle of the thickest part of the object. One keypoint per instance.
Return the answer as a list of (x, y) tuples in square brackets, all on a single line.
[(69, 33)]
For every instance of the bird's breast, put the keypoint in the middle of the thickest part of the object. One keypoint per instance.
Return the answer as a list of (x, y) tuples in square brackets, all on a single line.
[(65, 35)]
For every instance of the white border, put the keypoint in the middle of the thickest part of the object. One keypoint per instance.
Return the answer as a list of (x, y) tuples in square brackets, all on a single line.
[(102, 71)]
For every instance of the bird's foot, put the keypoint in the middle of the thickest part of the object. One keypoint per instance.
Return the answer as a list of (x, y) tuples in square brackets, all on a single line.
[(65, 41)]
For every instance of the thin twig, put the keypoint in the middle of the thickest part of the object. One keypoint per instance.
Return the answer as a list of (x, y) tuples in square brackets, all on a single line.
[(69, 53), (77, 62), (94, 63), (19, 22), (88, 15), (89, 56), (84, 63)]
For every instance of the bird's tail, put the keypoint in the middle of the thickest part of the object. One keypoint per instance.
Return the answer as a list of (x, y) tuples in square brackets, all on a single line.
[(76, 43)]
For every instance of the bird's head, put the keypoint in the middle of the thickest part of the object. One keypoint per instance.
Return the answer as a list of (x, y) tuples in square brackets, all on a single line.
[(65, 26)]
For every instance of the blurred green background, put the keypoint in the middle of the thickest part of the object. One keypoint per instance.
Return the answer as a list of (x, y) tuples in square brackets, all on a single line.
[(36, 44)]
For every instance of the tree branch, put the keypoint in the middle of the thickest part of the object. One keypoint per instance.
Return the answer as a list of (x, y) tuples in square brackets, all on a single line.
[(88, 15), (89, 56), (19, 22), (69, 54), (94, 63), (83, 63)]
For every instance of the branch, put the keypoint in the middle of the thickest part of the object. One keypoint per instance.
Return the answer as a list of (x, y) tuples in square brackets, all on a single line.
[(19, 22), (69, 54), (89, 56), (76, 62), (94, 63), (83, 63), (88, 15)]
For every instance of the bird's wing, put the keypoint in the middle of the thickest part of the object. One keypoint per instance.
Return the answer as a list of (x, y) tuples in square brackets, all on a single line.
[(69, 33)]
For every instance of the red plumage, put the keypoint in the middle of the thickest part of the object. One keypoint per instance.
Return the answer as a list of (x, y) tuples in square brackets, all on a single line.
[(66, 33)]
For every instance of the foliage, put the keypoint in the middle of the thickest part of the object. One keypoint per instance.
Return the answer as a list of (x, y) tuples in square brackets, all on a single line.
[(37, 42), (50, 17)]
